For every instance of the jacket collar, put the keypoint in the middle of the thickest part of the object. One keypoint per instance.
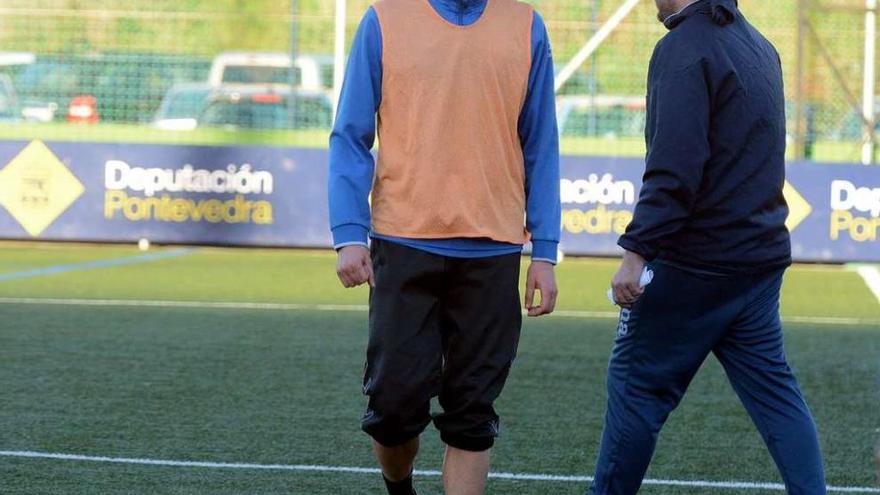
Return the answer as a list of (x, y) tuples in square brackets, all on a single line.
[(460, 6), (723, 12)]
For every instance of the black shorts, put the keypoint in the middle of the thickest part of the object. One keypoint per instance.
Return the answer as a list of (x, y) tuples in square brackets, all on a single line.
[(439, 326)]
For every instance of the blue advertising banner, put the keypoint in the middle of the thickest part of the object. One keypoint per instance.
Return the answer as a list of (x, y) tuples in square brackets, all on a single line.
[(238, 195), (835, 212), (268, 196), (834, 209), (598, 197)]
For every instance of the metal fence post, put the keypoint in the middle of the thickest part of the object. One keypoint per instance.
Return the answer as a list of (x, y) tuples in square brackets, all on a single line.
[(294, 51), (799, 127), (868, 89), (339, 53)]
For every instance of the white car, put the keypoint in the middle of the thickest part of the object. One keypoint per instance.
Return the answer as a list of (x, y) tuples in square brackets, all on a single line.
[(11, 59), (313, 72)]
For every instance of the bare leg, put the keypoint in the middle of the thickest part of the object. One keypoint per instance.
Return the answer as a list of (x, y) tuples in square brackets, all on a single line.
[(464, 472), (397, 462)]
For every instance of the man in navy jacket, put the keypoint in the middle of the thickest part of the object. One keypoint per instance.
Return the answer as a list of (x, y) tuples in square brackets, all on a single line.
[(710, 227)]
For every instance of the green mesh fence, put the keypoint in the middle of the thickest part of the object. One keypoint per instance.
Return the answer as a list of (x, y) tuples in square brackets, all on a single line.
[(141, 71)]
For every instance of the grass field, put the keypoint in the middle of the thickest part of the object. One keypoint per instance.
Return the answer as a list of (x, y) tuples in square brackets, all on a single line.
[(84, 372)]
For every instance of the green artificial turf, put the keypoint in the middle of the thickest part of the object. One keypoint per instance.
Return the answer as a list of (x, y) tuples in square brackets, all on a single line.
[(283, 386), (308, 277)]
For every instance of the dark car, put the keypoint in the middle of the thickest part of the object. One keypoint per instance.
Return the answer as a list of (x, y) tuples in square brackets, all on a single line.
[(182, 106), (187, 106)]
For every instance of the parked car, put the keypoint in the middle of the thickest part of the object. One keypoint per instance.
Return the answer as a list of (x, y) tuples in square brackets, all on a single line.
[(182, 106), (9, 111), (602, 115), (11, 63), (316, 71), (189, 106), (126, 88), (310, 72), (246, 109)]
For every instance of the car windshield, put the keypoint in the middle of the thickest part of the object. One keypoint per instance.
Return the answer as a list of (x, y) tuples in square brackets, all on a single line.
[(251, 74), (246, 114), (44, 78), (13, 70), (184, 104)]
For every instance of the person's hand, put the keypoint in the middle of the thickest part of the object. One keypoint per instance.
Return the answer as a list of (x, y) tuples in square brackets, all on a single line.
[(541, 278), (625, 284), (354, 267)]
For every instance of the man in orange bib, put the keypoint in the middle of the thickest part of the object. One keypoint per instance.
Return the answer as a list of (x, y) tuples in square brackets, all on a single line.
[(467, 173)]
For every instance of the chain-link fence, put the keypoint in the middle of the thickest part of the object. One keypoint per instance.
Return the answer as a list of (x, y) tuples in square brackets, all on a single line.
[(261, 71)]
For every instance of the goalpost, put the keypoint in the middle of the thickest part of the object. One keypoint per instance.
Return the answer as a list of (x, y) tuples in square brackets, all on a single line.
[(595, 42)]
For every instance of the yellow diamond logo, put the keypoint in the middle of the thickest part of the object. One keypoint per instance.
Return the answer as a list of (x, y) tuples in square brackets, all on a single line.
[(36, 188), (798, 208)]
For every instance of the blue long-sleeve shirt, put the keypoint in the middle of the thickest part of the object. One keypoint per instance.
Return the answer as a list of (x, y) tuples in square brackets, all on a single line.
[(352, 164), (712, 195)]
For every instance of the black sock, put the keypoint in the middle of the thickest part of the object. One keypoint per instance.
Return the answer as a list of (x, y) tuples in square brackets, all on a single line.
[(402, 487)]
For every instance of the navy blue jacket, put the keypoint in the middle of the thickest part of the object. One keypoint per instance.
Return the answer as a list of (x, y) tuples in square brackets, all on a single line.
[(712, 196)]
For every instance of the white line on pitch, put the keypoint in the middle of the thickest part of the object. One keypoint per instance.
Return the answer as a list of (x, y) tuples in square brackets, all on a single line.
[(736, 485), (183, 304), (871, 276), (819, 320)]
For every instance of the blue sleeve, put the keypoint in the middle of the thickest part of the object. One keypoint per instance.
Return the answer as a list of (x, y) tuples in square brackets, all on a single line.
[(677, 132), (540, 141), (351, 163)]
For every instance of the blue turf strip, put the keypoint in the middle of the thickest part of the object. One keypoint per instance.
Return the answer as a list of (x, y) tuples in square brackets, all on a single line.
[(91, 265)]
